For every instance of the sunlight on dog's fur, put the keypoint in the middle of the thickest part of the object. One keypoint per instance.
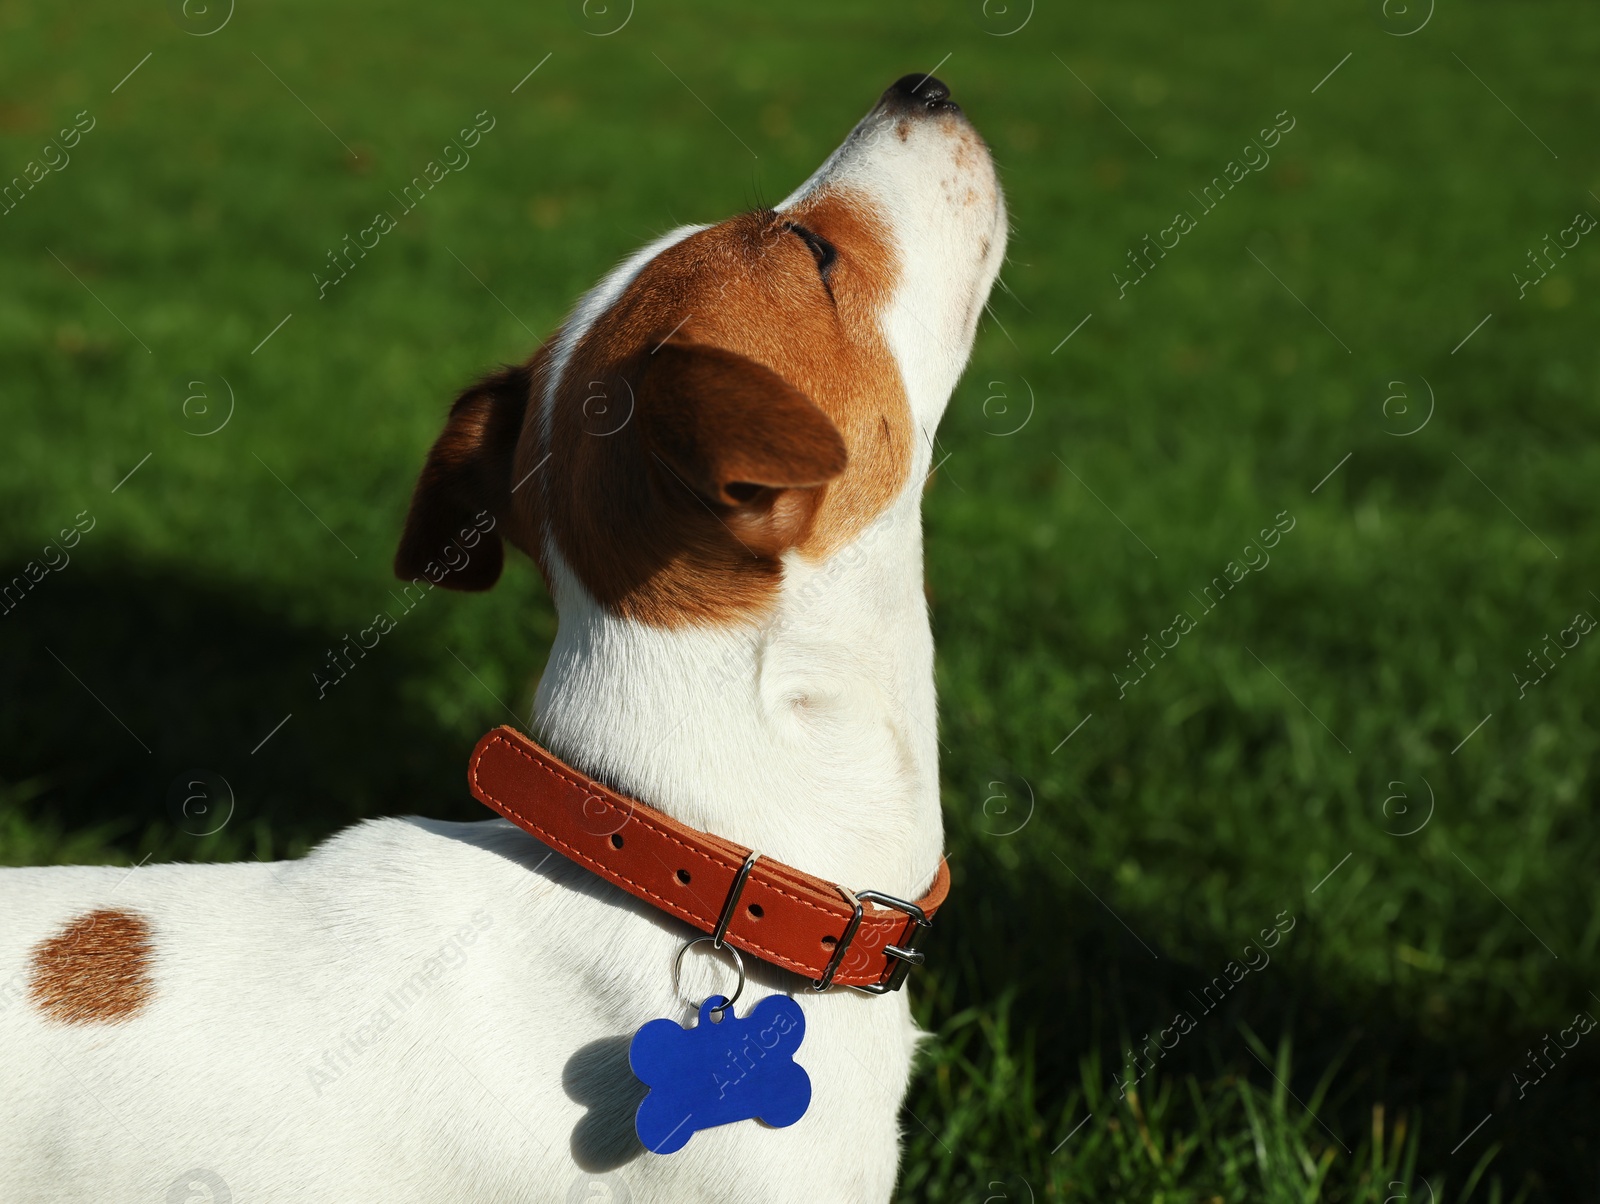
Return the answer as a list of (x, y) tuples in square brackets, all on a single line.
[(717, 463)]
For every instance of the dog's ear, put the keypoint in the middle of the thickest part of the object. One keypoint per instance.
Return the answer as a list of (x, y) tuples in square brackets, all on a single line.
[(744, 440), (467, 476)]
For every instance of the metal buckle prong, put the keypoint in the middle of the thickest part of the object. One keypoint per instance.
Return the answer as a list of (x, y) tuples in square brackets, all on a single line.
[(906, 955)]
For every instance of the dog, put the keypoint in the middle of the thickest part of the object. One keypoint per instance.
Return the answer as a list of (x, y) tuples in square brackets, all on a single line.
[(717, 463)]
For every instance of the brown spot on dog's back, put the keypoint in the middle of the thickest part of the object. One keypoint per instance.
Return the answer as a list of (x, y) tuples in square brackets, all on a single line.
[(95, 970)]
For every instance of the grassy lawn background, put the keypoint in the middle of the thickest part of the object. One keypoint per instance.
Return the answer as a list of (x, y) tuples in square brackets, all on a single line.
[(1093, 488)]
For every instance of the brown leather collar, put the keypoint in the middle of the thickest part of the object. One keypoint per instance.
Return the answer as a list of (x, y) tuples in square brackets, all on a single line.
[(763, 907)]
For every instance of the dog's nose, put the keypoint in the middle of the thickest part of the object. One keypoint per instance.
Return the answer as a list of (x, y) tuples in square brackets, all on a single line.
[(919, 93)]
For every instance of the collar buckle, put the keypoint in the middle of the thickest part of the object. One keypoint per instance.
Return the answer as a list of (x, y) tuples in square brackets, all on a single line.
[(906, 955)]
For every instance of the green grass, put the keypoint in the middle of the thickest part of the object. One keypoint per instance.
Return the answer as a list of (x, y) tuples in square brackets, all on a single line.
[(1100, 883)]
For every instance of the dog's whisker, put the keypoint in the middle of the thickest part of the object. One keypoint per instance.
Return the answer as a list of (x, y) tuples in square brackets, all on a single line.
[(996, 319), (1000, 282)]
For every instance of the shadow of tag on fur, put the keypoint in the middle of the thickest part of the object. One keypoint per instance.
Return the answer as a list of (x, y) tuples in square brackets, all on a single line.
[(715, 1073)]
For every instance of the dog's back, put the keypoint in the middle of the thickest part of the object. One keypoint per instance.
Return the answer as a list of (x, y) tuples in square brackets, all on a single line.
[(403, 1015)]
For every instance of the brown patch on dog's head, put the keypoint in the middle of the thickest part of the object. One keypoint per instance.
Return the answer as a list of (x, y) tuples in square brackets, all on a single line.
[(776, 351), (737, 401), (95, 970)]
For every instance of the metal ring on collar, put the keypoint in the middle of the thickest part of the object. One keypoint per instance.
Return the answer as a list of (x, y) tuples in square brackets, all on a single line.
[(738, 964), (731, 903)]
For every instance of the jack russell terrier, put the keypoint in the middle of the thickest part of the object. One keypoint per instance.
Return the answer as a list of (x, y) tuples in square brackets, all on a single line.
[(717, 463)]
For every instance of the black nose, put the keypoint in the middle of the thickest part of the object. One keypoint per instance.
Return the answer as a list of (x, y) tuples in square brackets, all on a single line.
[(920, 92)]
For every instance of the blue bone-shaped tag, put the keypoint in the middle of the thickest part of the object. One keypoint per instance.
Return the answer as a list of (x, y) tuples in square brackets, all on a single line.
[(716, 1073)]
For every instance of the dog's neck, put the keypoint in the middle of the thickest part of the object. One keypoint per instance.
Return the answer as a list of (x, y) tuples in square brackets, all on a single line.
[(809, 735)]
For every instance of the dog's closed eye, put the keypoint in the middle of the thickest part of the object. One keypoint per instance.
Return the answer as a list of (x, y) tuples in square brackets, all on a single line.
[(822, 250)]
